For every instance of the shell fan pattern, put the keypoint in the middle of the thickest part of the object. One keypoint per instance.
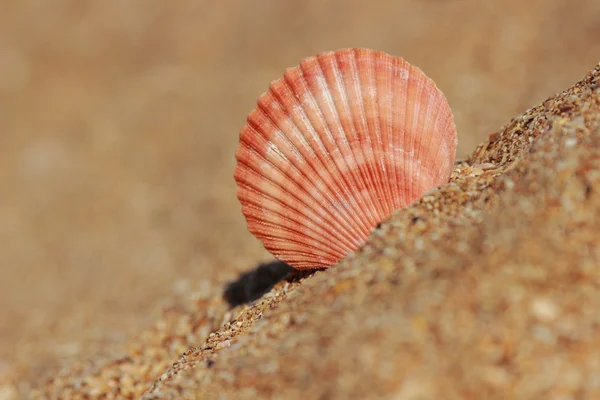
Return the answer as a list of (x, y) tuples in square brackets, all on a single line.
[(336, 145)]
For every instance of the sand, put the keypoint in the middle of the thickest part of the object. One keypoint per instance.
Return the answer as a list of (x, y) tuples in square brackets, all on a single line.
[(121, 229)]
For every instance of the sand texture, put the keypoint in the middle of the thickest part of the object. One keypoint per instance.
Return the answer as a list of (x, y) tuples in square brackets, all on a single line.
[(126, 270), (488, 287)]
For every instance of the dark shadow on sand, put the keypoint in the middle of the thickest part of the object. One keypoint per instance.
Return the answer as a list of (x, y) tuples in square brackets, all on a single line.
[(253, 284)]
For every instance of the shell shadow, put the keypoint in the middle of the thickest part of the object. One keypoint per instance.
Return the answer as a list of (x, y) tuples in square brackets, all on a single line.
[(253, 284)]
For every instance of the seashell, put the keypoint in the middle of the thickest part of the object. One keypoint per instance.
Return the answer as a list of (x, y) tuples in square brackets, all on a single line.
[(336, 145)]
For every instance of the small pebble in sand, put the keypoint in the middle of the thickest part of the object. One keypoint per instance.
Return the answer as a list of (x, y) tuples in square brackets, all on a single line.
[(544, 309), (570, 142)]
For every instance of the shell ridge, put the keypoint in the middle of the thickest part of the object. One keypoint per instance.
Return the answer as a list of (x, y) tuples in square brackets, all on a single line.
[(380, 73), (293, 237), (299, 258), (369, 83), (408, 147), (294, 246), (363, 138), (306, 199), (344, 149), (411, 129), (340, 226), (289, 252), (346, 194), (363, 174), (305, 212), (366, 144), (335, 190), (309, 161), (400, 90), (451, 142), (327, 193), (268, 202), (423, 151), (295, 234), (260, 217), (426, 178), (438, 112), (406, 139), (398, 126), (379, 153), (389, 129), (444, 114)]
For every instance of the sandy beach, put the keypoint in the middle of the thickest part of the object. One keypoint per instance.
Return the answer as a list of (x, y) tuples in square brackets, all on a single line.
[(121, 233)]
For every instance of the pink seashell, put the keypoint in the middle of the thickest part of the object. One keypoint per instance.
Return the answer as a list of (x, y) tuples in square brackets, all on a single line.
[(334, 146)]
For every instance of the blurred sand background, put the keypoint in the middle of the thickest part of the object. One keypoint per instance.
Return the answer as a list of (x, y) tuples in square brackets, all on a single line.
[(119, 121)]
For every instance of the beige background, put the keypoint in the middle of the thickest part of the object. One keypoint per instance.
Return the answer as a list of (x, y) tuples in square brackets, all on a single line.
[(119, 121)]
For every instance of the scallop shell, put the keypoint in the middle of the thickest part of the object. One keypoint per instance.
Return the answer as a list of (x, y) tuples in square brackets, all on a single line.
[(336, 145)]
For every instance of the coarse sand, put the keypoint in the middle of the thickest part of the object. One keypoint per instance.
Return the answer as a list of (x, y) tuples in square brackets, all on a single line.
[(488, 287)]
